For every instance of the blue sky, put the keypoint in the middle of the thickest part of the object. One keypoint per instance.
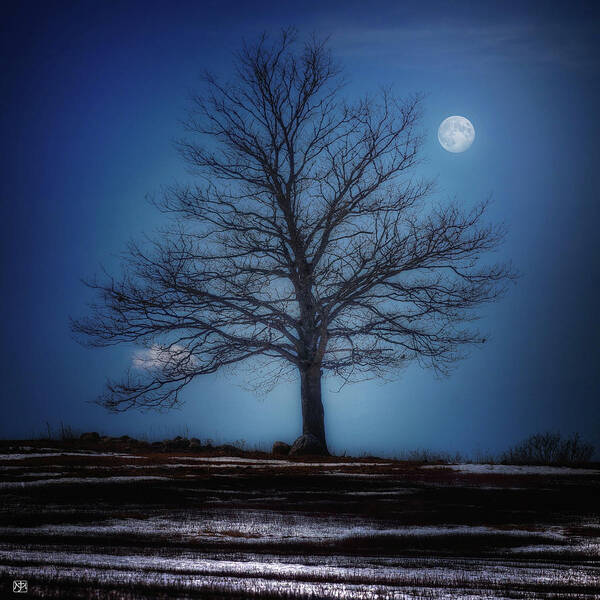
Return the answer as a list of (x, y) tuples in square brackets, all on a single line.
[(93, 96)]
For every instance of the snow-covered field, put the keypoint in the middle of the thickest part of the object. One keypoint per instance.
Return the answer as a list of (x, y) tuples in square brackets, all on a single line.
[(296, 576), (112, 525)]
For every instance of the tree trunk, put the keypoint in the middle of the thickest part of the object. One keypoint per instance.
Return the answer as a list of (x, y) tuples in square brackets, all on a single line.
[(313, 422)]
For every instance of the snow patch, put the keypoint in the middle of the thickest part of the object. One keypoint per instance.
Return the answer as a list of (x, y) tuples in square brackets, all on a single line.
[(233, 460), (514, 469), (44, 454), (67, 480)]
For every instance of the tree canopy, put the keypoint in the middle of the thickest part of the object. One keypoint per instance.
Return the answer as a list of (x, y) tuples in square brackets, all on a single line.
[(305, 239)]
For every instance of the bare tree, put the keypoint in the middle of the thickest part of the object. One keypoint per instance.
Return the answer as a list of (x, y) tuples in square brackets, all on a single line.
[(305, 241)]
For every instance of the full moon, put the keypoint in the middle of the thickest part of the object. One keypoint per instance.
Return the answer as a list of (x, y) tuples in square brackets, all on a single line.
[(456, 134)]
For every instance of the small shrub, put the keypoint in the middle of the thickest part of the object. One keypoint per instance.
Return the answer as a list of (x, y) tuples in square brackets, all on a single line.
[(423, 455), (549, 449), (66, 432)]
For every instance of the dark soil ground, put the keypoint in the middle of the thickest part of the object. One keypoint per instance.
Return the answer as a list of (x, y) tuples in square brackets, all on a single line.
[(120, 519)]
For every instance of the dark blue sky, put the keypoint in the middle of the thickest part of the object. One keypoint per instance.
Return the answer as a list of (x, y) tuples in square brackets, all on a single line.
[(92, 97)]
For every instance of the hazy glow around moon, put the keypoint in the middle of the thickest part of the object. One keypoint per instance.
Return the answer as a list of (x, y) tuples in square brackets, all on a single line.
[(456, 134)]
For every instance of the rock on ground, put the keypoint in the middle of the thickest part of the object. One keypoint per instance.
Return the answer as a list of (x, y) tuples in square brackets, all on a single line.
[(281, 448)]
